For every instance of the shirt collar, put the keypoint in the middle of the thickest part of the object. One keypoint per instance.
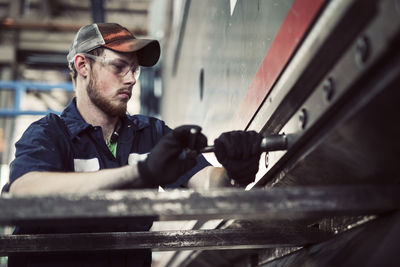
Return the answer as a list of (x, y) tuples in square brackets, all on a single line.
[(76, 124), (73, 119)]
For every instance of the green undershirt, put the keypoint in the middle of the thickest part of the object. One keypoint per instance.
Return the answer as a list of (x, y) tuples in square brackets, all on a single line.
[(113, 148)]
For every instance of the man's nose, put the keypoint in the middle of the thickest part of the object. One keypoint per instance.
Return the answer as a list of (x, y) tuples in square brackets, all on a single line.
[(130, 77)]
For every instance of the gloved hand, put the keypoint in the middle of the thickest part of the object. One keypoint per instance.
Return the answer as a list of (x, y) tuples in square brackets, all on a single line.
[(239, 152), (166, 163)]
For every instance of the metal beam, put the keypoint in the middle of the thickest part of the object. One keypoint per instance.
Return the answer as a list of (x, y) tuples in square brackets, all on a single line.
[(272, 204), (162, 240), (33, 25), (20, 87), (17, 112)]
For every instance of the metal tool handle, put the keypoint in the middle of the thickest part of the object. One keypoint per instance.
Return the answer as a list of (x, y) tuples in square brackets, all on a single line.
[(269, 143), (190, 151)]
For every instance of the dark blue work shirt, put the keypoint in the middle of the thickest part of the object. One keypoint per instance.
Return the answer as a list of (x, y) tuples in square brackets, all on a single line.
[(67, 143)]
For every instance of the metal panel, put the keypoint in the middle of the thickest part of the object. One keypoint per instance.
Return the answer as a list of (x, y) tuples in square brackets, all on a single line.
[(331, 35), (342, 136), (218, 58)]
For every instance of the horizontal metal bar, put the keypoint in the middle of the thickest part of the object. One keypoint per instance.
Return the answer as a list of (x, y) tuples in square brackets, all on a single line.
[(62, 27), (161, 240), (18, 85), (19, 112), (272, 204), (21, 86)]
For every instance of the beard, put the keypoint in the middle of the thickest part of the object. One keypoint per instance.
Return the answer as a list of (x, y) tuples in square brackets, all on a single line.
[(102, 102)]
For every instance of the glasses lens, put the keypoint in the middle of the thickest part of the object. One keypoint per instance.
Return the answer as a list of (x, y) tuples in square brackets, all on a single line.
[(123, 71), (118, 67), (136, 72)]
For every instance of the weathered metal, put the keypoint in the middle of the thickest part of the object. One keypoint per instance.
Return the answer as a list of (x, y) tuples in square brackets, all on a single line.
[(374, 243), (272, 204), (162, 240)]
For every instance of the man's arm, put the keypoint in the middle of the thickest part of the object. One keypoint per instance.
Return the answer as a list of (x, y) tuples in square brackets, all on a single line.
[(210, 177), (162, 166), (40, 183)]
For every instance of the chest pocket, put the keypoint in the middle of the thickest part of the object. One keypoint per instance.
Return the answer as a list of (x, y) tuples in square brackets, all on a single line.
[(86, 165)]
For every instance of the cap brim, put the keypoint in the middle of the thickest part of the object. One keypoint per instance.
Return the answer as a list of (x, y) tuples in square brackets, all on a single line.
[(148, 51)]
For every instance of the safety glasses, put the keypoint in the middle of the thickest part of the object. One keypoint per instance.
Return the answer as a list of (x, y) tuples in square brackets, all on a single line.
[(116, 66)]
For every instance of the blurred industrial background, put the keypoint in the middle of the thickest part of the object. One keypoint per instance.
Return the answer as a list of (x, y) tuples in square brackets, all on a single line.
[(34, 41)]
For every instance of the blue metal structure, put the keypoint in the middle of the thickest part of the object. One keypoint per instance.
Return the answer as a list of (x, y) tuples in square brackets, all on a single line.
[(20, 87)]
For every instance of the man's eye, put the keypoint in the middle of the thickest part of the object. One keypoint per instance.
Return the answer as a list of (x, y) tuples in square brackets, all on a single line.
[(118, 67)]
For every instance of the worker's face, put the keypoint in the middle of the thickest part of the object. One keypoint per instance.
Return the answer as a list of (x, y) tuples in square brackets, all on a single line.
[(108, 88)]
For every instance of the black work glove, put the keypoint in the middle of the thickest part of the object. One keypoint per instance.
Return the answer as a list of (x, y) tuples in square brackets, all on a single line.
[(239, 152), (167, 161)]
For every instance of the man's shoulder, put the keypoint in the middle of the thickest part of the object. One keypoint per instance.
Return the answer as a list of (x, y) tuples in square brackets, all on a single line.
[(51, 123), (47, 121)]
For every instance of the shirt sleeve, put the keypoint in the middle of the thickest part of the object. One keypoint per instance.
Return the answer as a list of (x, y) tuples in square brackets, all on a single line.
[(39, 149)]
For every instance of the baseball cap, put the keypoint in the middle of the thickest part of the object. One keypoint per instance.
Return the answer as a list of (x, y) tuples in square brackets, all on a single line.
[(115, 37)]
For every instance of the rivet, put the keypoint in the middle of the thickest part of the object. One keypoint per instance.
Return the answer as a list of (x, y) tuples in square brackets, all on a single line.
[(363, 50), (329, 89), (303, 118)]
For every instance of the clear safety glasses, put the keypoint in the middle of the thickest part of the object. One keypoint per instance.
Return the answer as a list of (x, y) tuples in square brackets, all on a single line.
[(117, 66)]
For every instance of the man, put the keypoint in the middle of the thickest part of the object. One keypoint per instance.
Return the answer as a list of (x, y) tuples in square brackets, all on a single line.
[(94, 145)]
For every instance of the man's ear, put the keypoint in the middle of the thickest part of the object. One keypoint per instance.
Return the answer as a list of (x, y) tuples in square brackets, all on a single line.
[(81, 65)]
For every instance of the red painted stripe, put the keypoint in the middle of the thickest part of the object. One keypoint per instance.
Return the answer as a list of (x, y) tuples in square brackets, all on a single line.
[(294, 26)]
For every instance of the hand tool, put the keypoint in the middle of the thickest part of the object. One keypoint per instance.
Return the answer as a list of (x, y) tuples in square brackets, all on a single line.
[(269, 143)]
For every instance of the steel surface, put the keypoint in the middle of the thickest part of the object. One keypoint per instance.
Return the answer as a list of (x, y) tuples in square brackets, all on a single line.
[(272, 204), (161, 240)]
